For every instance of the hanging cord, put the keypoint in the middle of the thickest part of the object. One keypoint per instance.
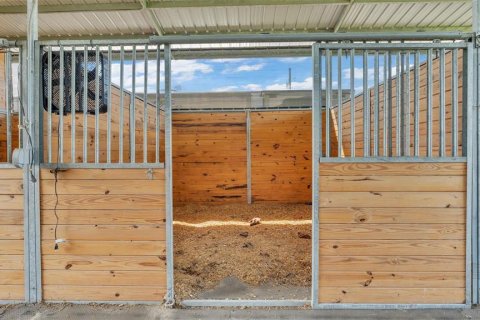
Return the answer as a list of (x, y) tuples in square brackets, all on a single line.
[(55, 174), (25, 128)]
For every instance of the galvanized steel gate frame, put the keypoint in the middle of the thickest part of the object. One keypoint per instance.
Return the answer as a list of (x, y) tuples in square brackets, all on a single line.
[(30, 70), (469, 157)]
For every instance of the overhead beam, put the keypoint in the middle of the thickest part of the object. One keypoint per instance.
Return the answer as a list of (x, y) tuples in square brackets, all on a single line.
[(154, 21), (344, 13), (119, 6)]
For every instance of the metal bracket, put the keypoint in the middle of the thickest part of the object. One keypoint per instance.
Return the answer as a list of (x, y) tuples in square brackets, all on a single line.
[(4, 43), (150, 174), (477, 40)]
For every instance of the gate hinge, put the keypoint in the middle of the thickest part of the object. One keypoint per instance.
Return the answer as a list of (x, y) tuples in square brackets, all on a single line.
[(477, 40)]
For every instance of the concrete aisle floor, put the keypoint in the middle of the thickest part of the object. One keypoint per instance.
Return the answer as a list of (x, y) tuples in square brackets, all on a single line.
[(121, 312)]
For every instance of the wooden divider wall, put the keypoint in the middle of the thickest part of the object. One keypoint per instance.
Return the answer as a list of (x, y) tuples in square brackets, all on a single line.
[(392, 233), (113, 222), (11, 235)]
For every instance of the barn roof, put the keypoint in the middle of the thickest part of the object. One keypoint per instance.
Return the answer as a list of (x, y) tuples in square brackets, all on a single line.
[(140, 18)]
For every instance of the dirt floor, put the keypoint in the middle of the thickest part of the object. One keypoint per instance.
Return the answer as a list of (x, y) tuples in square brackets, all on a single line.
[(219, 255)]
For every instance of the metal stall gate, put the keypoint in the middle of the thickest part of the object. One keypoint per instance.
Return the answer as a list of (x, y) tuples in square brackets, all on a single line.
[(392, 205), (105, 171)]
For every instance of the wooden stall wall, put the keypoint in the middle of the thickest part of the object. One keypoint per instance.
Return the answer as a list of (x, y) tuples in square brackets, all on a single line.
[(392, 233), (281, 144), (359, 134), (11, 235), (209, 157), (113, 224)]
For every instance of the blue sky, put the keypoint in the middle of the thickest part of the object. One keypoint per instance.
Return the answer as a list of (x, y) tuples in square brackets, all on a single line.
[(247, 74)]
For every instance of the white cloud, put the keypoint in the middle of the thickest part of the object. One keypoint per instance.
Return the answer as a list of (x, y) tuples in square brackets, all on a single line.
[(243, 68), (226, 89), (306, 84), (252, 87), (182, 70)]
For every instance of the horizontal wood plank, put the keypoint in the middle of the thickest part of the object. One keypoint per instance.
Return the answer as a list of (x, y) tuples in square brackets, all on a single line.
[(104, 278), (393, 183), (393, 199), (103, 187), (98, 263), (103, 293), (105, 248), (392, 247), (108, 202), (116, 217), (392, 231), (392, 263), (392, 295), (352, 279), (392, 215), (393, 169), (105, 232)]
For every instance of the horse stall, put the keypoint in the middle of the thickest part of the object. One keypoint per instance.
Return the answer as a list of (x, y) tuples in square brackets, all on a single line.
[(118, 187)]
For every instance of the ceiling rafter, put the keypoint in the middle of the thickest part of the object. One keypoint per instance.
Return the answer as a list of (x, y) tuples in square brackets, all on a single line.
[(154, 21)]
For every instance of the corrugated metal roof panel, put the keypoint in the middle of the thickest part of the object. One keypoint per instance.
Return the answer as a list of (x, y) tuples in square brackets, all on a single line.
[(408, 15), (257, 18)]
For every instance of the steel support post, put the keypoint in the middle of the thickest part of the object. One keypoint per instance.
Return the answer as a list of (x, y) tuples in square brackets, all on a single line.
[(474, 263), (169, 299), (30, 127), (316, 154)]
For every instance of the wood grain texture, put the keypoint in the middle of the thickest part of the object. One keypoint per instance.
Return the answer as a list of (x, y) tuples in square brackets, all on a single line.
[(209, 149), (103, 293), (11, 232), (392, 233), (113, 222)]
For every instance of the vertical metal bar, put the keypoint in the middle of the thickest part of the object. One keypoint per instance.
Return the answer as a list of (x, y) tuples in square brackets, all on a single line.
[(352, 102), (406, 117), (145, 106), (403, 104), (73, 106), (390, 105), (8, 102), (416, 105), (376, 104), (471, 178), (122, 106), (398, 102), (321, 97), (49, 100), (33, 272), (429, 101), (316, 150), (157, 109), (366, 107), (168, 176), (22, 89), (133, 107), (109, 107), (97, 105), (328, 85), (385, 105), (249, 156), (61, 112), (454, 102), (442, 103), (85, 104), (339, 105)]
